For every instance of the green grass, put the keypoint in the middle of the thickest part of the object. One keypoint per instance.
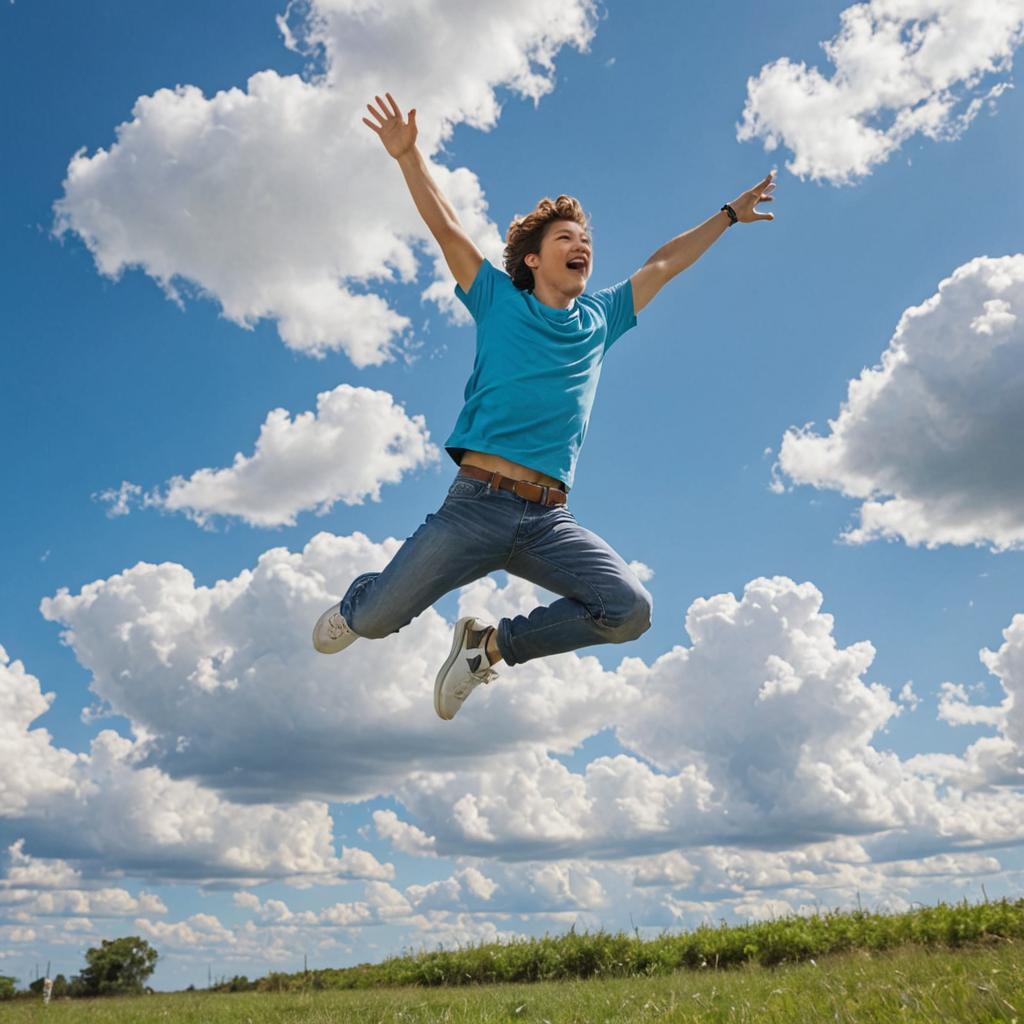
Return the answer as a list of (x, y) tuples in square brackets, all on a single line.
[(602, 954), (970, 985)]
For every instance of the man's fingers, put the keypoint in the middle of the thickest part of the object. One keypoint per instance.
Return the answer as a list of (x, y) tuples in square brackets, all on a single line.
[(366, 121), (394, 106), (369, 107)]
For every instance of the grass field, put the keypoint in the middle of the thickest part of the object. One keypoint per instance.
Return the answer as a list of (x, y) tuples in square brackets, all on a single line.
[(970, 985)]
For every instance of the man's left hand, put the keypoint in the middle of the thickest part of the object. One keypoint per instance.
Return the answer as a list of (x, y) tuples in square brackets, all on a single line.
[(745, 204)]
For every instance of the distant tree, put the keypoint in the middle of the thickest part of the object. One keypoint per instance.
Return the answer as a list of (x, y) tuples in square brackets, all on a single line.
[(117, 966), (7, 986), (60, 987)]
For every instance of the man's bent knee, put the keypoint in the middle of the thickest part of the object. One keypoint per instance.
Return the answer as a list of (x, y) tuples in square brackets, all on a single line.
[(632, 620)]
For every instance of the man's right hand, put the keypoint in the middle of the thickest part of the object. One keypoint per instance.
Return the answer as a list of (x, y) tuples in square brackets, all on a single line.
[(397, 135)]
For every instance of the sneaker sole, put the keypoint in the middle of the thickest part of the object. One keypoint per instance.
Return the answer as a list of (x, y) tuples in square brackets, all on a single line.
[(460, 634), (316, 630)]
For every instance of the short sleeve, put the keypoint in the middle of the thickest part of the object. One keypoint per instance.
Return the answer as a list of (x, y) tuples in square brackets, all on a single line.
[(617, 303), (483, 291)]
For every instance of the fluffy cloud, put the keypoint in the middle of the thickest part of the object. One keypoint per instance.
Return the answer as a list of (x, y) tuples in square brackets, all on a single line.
[(107, 809), (749, 779), (761, 733), (200, 931), (34, 771), (100, 902), (991, 760), (929, 439), (278, 202), (27, 872), (223, 685), (403, 837), (357, 440), (902, 67)]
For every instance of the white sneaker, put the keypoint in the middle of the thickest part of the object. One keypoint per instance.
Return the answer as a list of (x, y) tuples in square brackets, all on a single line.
[(466, 668), (331, 632)]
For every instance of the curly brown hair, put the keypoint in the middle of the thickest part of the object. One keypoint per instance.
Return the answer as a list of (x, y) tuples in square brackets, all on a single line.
[(525, 234)]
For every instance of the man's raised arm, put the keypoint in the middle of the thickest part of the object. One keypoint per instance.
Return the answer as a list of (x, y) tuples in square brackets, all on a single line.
[(678, 253), (399, 138)]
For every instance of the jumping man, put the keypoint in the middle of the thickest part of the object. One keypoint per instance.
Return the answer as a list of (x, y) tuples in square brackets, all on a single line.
[(541, 340)]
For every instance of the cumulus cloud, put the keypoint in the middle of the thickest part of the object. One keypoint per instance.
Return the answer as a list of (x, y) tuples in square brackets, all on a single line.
[(929, 439), (761, 733), (902, 67), (27, 872), (991, 760), (355, 441), (403, 837), (643, 572), (749, 778), (200, 931), (222, 683), (104, 901), (277, 202), (111, 811)]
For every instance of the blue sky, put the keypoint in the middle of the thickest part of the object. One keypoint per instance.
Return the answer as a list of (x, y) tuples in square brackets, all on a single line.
[(110, 381)]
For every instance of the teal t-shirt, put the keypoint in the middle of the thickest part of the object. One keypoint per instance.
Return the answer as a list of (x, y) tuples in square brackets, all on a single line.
[(536, 370)]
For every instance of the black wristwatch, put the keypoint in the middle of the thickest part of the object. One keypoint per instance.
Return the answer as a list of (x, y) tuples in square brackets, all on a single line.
[(732, 214)]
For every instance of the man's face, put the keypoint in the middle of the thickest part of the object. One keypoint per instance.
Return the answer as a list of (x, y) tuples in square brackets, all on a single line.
[(565, 257)]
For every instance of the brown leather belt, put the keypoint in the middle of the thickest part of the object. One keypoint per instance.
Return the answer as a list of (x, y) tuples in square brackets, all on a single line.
[(541, 493)]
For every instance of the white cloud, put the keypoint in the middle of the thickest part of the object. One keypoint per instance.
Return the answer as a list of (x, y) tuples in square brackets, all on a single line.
[(749, 776), (200, 931), (355, 441), (991, 760), (278, 202), (121, 499), (205, 675), (929, 439), (34, 771), (27, 872), (902, 67), (761, 733), (403, 837), (107, 806), (643, 572), (99, 902)]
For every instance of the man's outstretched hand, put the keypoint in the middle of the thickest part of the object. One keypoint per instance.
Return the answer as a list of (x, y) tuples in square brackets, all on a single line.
[(397, 135), (745, 204)]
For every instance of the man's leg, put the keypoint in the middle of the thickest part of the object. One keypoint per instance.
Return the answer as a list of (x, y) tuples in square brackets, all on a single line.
[(602, 599), (464, 540)]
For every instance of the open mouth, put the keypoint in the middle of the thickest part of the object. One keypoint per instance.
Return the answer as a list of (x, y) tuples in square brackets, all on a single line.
[(578, 265)]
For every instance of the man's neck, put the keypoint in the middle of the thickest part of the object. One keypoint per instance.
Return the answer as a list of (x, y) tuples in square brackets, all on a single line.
[(543, 292)]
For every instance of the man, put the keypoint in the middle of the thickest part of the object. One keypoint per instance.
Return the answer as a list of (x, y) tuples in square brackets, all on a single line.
[(541, 339)]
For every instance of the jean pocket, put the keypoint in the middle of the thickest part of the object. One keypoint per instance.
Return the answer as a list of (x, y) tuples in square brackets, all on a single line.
[(464, 488)]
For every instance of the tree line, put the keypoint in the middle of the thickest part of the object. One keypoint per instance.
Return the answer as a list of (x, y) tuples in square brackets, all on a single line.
[(115, 967)]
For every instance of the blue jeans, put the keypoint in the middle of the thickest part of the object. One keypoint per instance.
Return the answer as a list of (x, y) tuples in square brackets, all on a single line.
[(478, 530)]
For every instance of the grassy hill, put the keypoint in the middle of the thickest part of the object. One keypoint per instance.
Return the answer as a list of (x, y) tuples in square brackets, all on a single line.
[(911, 985), (611, 955)]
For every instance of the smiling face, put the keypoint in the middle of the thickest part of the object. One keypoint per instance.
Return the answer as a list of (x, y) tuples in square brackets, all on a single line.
[(564, 261)]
